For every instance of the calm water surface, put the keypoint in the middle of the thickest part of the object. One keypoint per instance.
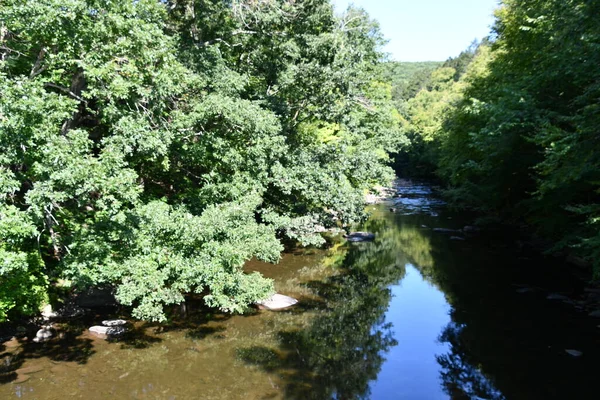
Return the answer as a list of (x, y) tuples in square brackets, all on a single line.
[(416, 314)]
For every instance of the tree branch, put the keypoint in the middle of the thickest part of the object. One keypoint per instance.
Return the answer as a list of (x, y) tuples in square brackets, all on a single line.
[(36, 70), (66, 91)]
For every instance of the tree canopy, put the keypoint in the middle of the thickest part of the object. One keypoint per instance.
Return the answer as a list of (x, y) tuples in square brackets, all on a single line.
[(518, 139), (155, 146)]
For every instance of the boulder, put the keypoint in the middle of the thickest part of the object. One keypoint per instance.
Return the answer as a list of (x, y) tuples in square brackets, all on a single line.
[(47, 312), (574, 353), (107, 331), (360, 237), (277, 302), (99, 330), (43, 335), (114, 322)]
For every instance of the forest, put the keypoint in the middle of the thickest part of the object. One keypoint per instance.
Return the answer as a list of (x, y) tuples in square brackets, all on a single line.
[(155, 147)]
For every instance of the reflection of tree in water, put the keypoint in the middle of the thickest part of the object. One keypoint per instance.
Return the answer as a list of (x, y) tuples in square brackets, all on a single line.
[(460, 374), (343, 347), (501, 343), (460, 378)]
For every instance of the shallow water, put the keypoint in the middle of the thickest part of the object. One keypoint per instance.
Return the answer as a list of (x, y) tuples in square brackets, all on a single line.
[(416, 314)]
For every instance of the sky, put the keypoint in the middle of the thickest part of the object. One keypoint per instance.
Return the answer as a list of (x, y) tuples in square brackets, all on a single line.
[(428, 30)]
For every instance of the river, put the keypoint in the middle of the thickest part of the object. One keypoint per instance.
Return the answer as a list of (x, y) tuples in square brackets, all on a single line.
[(418, 313)]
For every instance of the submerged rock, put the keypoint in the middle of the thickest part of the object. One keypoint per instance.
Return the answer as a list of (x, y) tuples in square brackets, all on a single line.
[(360, 237), (556, 296), (446, 230), (595, 314), (471, 229), (71, 310), (277, 302), (524, 290)]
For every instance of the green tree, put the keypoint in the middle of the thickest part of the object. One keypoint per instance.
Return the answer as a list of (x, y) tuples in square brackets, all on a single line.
[(156, 146), (521, 143)]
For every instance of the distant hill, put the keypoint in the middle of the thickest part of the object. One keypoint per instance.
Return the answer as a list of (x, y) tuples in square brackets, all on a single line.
[(397, 71), (407, 78)]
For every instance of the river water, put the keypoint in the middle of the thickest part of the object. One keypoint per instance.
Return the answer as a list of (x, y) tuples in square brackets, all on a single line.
[(416, 314)]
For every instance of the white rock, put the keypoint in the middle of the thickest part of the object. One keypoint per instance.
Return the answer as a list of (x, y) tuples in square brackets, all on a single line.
[(277, 301), (99, 330), (43, 334), (106, 331), (574, 353), (47, 312), (114, 322)]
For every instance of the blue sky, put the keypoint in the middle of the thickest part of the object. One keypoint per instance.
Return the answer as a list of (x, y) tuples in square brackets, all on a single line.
[(428, 30)]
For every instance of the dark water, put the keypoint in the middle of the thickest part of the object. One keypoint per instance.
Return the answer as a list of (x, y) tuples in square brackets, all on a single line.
[(416, 314)]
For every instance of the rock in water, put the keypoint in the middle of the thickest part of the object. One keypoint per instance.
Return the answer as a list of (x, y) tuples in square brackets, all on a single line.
[(114, 322), (106, 331), (555, 296), (360, 237), (47, 312), (99, 330), (277, 302), (595, 314), (574, 353), (43, 334), (446, 230)]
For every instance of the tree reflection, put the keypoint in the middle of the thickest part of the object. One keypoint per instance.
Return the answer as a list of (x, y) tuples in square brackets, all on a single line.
[(460, 378), (503, 344), (343, 347)]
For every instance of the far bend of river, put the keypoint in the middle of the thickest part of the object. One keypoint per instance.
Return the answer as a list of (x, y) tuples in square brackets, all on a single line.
[(416, 314)]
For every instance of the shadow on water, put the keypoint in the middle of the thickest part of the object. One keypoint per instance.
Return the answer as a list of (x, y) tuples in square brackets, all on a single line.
[(516, 341), (69, 348), (502, 343)]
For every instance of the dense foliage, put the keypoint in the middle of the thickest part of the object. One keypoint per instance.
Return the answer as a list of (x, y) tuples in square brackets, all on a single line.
[(407, 78), (155, 146), (521, 139)]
